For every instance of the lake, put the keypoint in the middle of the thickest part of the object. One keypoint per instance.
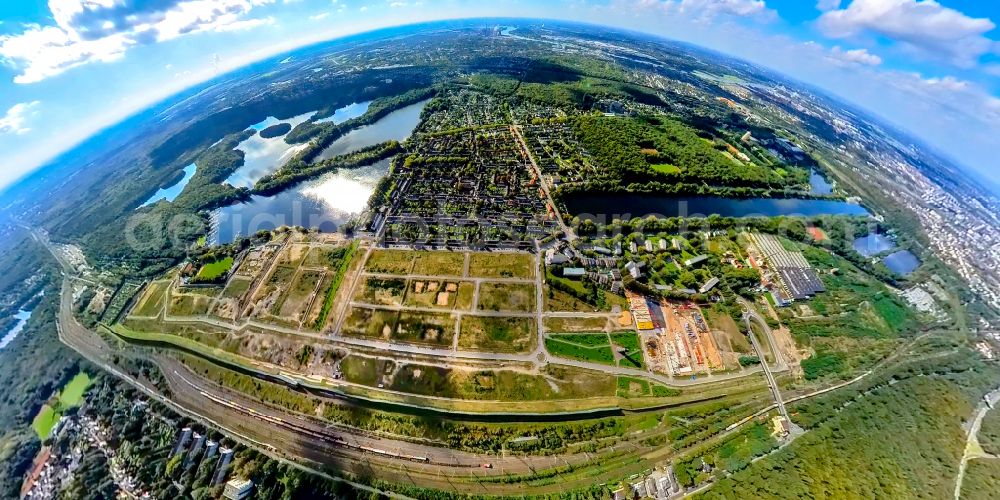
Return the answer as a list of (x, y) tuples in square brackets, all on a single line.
[(902, 262), (634, 205), (345, 113), (22, 317), (397, 126), (264, 156), (172, 192), (326, 203), (819, 184), (873, 244)]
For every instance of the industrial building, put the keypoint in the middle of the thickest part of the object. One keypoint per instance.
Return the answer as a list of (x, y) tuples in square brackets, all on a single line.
[(788, 272)]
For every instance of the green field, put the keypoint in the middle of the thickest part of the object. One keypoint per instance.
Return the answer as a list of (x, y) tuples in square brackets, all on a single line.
[(70, 396), (630, 342), (629, 387), (438, 263), (215, 270), (501, 265), (509, 297), (482, 333), (564, 346), (390, 261)]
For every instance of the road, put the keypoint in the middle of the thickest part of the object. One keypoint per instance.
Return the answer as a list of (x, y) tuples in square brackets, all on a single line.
[(972, 448), (546, 188), (748, 315)]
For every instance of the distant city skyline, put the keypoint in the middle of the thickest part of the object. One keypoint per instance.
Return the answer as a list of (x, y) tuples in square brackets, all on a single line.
[(74, 67)]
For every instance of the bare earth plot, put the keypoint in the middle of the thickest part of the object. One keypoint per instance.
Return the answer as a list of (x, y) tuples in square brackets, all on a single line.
[(502, 265), (507, 297), (497, 334)]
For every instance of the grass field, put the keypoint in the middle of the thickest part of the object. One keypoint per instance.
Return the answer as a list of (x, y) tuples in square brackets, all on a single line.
[(237, 287), (390, 261), (496, 385), (189, 304), (438, 263), (575, 324), (630, 342), (45, 421), (152, 299), (215, 270), (510, 297), (364, 322), (70, 396), (558, 300), (437, 329), (386, 291), (481, 333), (629, 387), (592, 348), (501, 265), (360, 370), (295, 300), (325, 257)]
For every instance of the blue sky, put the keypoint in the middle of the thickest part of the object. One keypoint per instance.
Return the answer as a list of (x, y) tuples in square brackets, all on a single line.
[(69, 68)]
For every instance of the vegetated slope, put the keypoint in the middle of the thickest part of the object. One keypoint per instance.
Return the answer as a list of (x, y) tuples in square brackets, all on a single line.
[(31, 367), (982, 479), (989, 433), (898, 440)]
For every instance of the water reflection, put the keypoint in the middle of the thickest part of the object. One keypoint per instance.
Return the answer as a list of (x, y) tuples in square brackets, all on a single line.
[(324, 203)]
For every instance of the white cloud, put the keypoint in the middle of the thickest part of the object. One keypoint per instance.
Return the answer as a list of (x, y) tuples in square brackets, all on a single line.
[(732, 7), (924, 26), (700, 9), (320, 16), (103, 30), (13, 121), (855, 56), (825, 5)]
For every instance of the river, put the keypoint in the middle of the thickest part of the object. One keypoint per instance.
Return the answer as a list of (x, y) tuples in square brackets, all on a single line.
[(22, 317), (633, 205)]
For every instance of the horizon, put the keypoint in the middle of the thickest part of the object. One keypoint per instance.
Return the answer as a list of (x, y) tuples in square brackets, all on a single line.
[(16, 131)]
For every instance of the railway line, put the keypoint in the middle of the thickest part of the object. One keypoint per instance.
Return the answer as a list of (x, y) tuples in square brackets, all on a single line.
[(326, 437)]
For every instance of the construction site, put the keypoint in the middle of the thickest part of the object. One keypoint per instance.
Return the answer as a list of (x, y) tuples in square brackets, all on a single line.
[(675, 336)]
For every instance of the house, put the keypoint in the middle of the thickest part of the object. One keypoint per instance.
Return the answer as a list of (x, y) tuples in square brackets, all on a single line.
[(639, 490), (634, 268), (555, 258), (663, 244), (632, 247), (238, 489), (602, 250), (695, 260), (649, 245), (710, 284), (618, 248), (780, 425), (574, 272)]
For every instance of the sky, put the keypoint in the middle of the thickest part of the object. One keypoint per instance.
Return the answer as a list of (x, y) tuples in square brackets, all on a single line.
[(69, 68)]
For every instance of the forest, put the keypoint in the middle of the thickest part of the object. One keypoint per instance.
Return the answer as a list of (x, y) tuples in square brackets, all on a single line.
[(32, 367), (901, 436), (665, 150)]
